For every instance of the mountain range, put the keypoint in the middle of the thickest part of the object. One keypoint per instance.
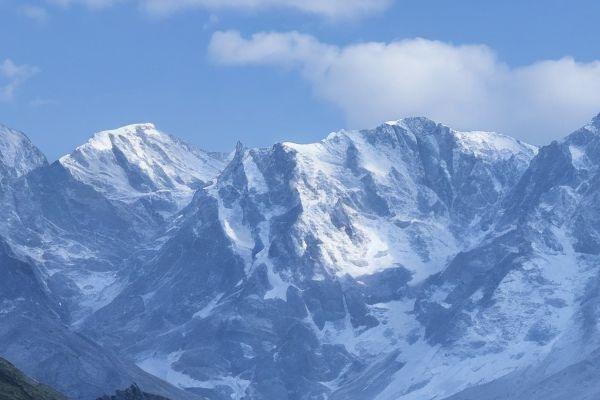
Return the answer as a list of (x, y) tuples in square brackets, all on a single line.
[(410, 261)]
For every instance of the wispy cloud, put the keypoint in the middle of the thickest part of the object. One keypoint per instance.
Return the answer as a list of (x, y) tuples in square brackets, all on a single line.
[(92, 4), (42, 102), (325, 8), (463, 86), (212, 21), (333, 9), (34, 12), (12, 76)]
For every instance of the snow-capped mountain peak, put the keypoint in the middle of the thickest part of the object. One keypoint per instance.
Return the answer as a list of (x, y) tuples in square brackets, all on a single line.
[(18, 155), (138, 161), (481, 144), (103, 140), (596, 121), (384, 187)]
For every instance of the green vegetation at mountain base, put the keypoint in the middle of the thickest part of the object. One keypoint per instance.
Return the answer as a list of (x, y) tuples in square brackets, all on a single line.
[(15, 385)]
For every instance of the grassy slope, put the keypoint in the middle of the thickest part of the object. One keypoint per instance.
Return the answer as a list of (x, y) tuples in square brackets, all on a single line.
[(14, 385)]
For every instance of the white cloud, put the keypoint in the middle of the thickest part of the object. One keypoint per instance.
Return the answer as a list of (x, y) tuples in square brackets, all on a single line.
[(12, 76), (326, 8), (466, 87), (35, 13)]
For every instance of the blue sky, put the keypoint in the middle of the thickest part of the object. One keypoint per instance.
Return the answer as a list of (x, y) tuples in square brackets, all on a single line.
[(217, 71)]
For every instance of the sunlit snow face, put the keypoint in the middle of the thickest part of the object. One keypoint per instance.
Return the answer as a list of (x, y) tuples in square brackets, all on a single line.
[(138, 161)]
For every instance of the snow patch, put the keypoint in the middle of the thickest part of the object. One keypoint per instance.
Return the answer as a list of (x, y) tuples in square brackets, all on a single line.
[(491, 145), (161, 366), (208, 309)]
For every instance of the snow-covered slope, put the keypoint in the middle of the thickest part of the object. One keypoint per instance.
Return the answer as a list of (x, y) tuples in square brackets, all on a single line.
[(139, 162), (402, 192), (515, 315)]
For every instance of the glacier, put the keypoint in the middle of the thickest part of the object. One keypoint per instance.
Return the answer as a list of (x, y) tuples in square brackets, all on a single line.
[(409, 261)]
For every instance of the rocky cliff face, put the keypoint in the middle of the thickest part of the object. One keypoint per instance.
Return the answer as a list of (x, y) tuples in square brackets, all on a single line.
[(410, 261)]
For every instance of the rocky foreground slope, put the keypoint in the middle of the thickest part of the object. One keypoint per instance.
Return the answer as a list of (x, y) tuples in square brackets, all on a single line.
[(132, 393), (410, 261), (14, 385)]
